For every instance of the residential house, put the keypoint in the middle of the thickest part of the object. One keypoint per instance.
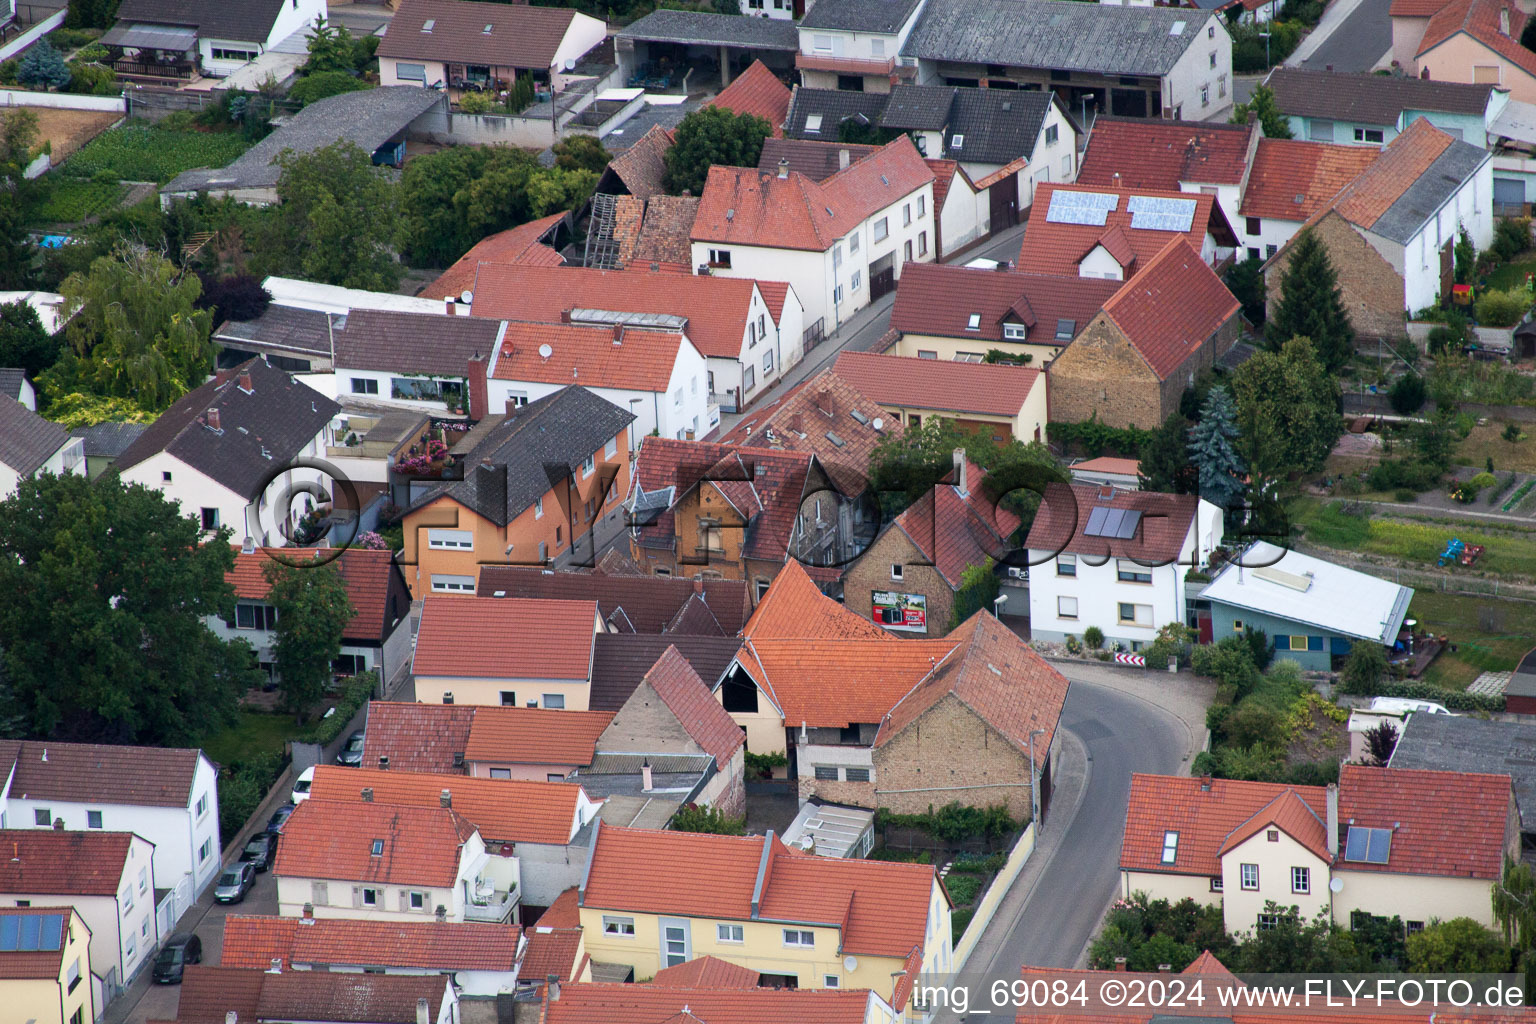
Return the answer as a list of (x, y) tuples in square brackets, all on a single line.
[(289, 338), (855, 45), (800, 921), (648, 235), (839, 243), (538, 243), (534, 825), (481, 958), (486, 742), (222, 447), (1390, 233), (1094, 232), (621, 660), (107, 877), (30, 445), (834, 115), (102, 443), (1312, 610), (1114, 559), (219, 995), (537, 485), (375, 586), (632, 604), (1371, 110), (757, 90), (1289, 181), (555, 947), (167, 795), (708, 972), (182, 39), (14, 384), (1512, 138), (1006, 141), (1384, 842), (443, 43), (1135, 62), (417, 361), (1172, 156), (542, 649), (390, 862), (1473, 42), (709, 1000), (721, 511), (746, 342), (1006, 401), (909, 578), (49, 307), (1107, 471), (1466, 743), (962, 313), (1173, 319), (45, 961)]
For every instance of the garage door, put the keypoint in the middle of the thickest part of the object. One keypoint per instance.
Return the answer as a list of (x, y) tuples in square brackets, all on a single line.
[(1508, 191)]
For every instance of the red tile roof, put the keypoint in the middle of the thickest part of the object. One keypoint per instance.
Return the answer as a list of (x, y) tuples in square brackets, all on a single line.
[(1173, 305), (707, 972), (1479, 19), (1415, 8), (366, 574), (503, 810), (505, 638), (348, 998), (64, 863), (977, 388), (872, 675), (207, 994), (999, 677), (745, 207), (100, 773), (643, 166), (417, 737), (1204, 819), (648, 604), (1138, 153), (1400, 165), (795, 609), (759, 92), (955, 530), (565, 912), (1054, 248), (774, 294), (255, 942), (944, 172), (1063, 516), (660, 1004), (642, 360), (556, 951), (1108, 464), (702, 717), (1292, 180), (1290, 814), (535, 735), (937, 299), (653, 233), (523, 244), (1450, 824), (717, 308), (333, 839), (881, 907)]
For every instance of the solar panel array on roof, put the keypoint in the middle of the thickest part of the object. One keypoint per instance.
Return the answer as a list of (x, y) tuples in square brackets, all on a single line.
[(1114, 523), (1068, 207), (1368, 845), (1157, 213), (29, 933)]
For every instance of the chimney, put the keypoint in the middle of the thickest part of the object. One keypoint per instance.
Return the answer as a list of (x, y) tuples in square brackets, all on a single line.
[(1120, 963), (368, 794), (618, 334), (1117, 179), (1253, 115), (58, 824), (309, 914), (231, 1017), (423, 1011), (1503, 21), (442, 913), (383, 762), (645, 775), (1165, 968), (445, 798), (1205, 783), (1333, 819), (449, 302), (842, 159), (243, 382), (552, 983), (960, 482), (213, 419), (277, 965), (479, 389), (565, 316), (784, 167)]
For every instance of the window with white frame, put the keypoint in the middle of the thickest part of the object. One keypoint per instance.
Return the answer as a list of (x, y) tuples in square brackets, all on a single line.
[(1128, 571), (1013, 332), (553, 700), (93, 819), (1248, 876), (768, 361), (821, 43), (799, 937), (897, 572), (204, 850), (877, 47), (853, 243), (857, 280), (589, 464), (458, 540), (370, 897), (1066, 607), (622, 927), (922, 243), (202, 806), (364, 386), (418, 901), (906, 214), (448, 584), (1052, 132), (733, 933), (831, 981), (1301, 880), (922, 206)]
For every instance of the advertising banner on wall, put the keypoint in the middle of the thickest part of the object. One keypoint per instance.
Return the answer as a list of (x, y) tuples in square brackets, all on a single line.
[(901, 611)]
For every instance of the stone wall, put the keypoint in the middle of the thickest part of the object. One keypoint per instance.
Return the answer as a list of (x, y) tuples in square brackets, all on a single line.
[(1372, 289), (950, 755), (1101, 372), (872, 572)]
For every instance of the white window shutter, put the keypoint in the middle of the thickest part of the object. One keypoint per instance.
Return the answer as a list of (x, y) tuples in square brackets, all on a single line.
[(357, 895), (405, 900), (319, 894)]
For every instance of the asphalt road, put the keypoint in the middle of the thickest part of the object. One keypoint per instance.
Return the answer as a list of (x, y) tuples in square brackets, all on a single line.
[(1358, 42)]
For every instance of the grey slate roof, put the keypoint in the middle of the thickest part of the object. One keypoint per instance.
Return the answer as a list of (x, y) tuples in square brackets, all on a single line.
[(368, 118), (11, 380), (859, 15), (26, 439), (698, 28), (1367, 98), (388, 340), (238, 21), (835, 106), (621, 660), (816, 160), (1052, 34), (108, 440), (1438, 183), (282, 327), (630, 603), (529, 452), (997, 125), (259, 431), (1467, 744)]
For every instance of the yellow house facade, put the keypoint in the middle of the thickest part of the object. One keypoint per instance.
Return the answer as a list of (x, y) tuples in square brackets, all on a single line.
[(45, 964)]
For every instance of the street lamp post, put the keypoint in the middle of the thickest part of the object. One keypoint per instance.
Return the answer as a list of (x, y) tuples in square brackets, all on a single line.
[(997, 605), (1034, 790), (1266, 48)]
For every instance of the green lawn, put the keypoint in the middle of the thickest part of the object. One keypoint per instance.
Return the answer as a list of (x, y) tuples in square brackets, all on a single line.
[(254, 732), (1416, 542), (145, 152), (1490, 634), (1512, 275)]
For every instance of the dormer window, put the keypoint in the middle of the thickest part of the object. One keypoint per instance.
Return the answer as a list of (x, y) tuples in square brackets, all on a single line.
[(378, 848), (426, 26), (1065, 329), (1013, 332), (1170, 847), (973, 322), (812, 123)]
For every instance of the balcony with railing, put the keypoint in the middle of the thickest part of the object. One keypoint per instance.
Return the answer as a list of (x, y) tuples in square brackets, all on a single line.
[(488, 903)]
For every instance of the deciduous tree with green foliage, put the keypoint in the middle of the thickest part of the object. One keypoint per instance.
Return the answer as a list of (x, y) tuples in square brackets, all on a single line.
[(337, 219), (23, 341), (313, 611), (1262, 103), (711, 136), (1458, 946), (325, 84), (1213, 451), (136, 332), (694, 818), (581, 152), (1293, 394), (1311, 305), (106, 592)]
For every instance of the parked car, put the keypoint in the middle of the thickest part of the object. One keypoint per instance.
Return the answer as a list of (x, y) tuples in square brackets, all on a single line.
[(301, 787), (352, 752), (178, 951), (261, 850), (280, 818), (235, 882)]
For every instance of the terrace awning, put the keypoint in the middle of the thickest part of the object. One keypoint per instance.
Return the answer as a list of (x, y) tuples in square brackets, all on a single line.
[(151, 37)]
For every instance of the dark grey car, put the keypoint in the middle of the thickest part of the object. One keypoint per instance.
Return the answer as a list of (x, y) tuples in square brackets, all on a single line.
[(235, 881)]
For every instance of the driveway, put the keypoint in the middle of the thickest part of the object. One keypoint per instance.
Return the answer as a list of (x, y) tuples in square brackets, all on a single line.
[(1353, 35)]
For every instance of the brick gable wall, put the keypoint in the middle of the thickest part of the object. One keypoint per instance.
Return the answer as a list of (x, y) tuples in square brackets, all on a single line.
[(872, 572), (1372, 289), (949, 754)]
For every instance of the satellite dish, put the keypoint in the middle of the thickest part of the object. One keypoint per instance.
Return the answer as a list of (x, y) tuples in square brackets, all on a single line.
[(878, 423), (1335, 884), (466, 296), (850, 963), (545, 351)]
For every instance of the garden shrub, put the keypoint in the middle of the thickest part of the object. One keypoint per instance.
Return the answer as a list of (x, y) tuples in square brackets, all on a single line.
[(1408, 392), (1496, 308), (963, 889), (1404, 494), (354, 694), (1483, 480), (1093, 637), (979, 863), (474, 103), (1404, 474), (1511, 237), (954, 822)]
